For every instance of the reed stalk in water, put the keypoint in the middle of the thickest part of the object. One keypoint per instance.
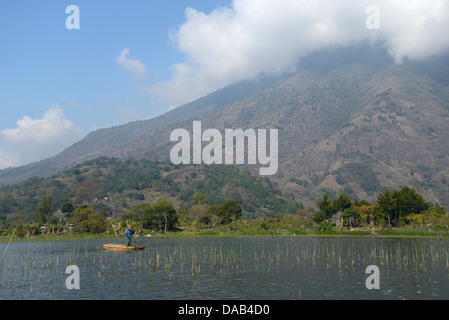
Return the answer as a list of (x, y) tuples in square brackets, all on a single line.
[(4, 251)]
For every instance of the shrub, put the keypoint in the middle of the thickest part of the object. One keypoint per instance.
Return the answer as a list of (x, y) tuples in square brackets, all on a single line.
[(325, 227), (229, 211)]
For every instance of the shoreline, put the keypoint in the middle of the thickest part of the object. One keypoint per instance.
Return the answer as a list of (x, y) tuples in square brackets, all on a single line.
[(405, 233)]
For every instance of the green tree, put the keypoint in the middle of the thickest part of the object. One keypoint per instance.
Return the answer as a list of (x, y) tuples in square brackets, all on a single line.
[(351, 216), (161, 216), (138, 211), (200, 198), (87, 221), (366, 212), (437, 211), (326, 207), (319, 216), (94, 223), (31, 228), (2, 222), (18, 225), (200, 212), (399, 204), (184, 218), (342, 203), (228, 211), (43, 210), (67, 207), (409, 201), (325, 227), (80, 214), (360, 203), (388, 207)]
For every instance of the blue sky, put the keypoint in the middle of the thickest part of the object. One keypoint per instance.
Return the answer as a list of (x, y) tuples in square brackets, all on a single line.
[(44, 64), (132, 60)]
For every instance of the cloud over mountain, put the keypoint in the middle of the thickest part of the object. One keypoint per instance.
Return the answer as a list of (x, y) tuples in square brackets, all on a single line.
[(136, 67), (251, 37), (35, 139)]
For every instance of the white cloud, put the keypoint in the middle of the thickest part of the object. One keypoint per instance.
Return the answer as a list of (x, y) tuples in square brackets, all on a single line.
[(269, 36), (36, 139), (415, 29), (8, 159), (134, 66)]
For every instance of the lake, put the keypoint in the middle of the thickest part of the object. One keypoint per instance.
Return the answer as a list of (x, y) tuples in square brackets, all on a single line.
[(247, 268)]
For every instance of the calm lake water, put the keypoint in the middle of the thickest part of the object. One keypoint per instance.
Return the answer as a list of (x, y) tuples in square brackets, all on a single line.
[(255, 268)]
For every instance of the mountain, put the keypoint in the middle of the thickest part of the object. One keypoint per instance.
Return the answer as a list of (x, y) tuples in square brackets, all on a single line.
[(349, 121), (114, 141)]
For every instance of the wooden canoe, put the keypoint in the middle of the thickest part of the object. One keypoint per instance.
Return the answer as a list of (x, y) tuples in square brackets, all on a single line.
[(113, 246)]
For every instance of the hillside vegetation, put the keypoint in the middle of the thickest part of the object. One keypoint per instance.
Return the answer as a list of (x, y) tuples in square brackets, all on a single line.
[(114, 186)]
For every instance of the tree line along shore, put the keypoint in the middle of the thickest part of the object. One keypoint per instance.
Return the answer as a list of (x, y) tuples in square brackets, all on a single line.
[(401, 212)]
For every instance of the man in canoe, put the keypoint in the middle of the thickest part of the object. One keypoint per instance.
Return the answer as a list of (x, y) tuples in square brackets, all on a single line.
[(128, 235)]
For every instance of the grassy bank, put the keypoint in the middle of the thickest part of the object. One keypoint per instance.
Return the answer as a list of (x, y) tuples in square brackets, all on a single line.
[(399, 232), (248, 229)]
